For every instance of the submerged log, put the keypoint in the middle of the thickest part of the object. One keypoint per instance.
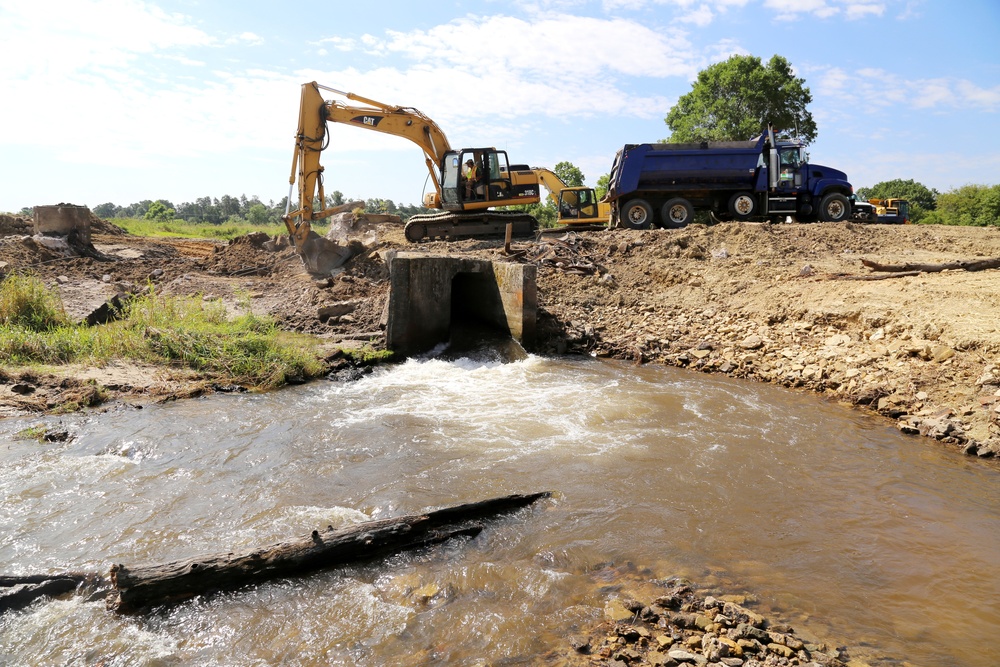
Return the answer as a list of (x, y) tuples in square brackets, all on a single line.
[(17, 592), (135, 588)]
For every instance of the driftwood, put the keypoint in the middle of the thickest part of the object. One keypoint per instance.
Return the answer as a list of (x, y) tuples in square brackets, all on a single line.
[(135, 588), (965, 265), (883, 276), (904, 270)]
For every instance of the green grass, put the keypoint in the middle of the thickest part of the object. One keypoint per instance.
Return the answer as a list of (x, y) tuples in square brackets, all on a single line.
[(182, 332), (32, 433), (26, 303), (198, 230)]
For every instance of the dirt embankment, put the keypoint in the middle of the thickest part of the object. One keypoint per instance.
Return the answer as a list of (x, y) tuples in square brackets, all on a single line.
[(789, 304)]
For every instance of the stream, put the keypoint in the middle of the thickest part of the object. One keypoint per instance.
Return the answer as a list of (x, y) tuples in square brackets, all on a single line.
[(834, 521)]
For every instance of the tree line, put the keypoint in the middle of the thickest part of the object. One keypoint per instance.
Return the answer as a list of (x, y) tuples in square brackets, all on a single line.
[(229, 209)]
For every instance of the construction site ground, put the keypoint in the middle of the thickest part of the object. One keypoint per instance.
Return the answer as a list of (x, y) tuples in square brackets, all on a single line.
[(791, 304)]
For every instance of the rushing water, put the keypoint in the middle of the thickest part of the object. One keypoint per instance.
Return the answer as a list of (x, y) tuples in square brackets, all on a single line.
[(850, 529)]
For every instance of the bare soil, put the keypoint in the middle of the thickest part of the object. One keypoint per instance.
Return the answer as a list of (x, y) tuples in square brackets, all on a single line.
[(790, 304)]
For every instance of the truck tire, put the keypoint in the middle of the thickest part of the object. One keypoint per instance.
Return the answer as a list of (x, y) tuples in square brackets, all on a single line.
[(835, 207), (676, 213), (637, 214), (742, 205)]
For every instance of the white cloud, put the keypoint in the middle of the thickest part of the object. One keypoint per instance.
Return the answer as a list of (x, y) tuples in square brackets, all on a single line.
[(983, 98), (246, 38), (716, 6), (340, 43), (542, 70), (833, 80), (701, 17), (65, 36), (792, 10), (876, 88), (553, 46), (862, 10)]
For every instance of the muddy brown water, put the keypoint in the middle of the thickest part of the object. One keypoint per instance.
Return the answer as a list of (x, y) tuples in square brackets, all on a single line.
[(837, 523)]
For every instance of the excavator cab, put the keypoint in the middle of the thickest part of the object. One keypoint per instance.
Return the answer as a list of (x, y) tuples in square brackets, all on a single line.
[(490, 183)]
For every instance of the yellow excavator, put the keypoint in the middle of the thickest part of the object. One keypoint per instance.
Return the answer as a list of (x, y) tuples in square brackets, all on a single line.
[(891, 211), (577, 206), (464, 197)]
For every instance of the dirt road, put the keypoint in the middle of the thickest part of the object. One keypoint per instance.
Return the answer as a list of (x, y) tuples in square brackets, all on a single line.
[(790, 304)]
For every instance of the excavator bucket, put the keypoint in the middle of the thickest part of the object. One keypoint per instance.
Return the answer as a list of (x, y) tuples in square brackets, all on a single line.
[(321, 255)]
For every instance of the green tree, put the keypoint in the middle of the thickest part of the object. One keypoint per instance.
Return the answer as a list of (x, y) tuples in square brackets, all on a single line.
[(569, 173), (922, 199), (602, 186), (544, 212), (976, 205), (159, 212), (734, 100), (378, 205), (105, 211), (229, 206), (258, 214)]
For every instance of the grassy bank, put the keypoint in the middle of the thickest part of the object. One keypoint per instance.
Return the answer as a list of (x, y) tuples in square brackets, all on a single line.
[(248, 350)]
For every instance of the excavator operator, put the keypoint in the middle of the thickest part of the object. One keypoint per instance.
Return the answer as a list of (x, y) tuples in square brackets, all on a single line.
[(471, 175)]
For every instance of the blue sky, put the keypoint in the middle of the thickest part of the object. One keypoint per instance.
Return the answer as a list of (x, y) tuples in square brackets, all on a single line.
[(120, 100)]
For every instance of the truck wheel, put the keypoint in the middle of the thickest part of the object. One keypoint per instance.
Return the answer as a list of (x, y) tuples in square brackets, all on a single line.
[(834, 208), (742, 205), (676, 213), (637, 214)]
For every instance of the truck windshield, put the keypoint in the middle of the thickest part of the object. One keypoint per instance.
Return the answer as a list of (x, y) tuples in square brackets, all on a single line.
[(790, 157), (789, 160)]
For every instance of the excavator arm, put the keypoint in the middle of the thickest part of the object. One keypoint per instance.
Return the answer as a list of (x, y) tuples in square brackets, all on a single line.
[(551, 181), (312, 137), (576, 206)]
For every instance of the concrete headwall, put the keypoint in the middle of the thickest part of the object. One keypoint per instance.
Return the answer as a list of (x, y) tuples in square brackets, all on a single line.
[(63, 220), (427, 292)]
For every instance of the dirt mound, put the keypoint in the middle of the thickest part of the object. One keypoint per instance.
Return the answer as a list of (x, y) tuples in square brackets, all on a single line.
[(15, 225), (247, 255), (106, 227)]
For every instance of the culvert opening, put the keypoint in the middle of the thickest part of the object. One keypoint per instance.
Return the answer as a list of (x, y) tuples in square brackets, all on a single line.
[(437, 299), (478, 320)]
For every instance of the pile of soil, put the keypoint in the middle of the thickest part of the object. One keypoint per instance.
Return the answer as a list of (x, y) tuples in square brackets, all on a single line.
[(790, 304)]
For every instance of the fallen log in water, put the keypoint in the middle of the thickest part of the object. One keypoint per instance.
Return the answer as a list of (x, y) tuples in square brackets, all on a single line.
[(135, 588), (17, 592)]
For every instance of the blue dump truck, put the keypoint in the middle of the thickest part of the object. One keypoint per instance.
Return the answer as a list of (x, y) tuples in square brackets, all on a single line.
[(762, 179)]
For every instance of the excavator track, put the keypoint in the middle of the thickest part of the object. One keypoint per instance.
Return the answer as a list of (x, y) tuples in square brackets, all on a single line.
[(450, 226)]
